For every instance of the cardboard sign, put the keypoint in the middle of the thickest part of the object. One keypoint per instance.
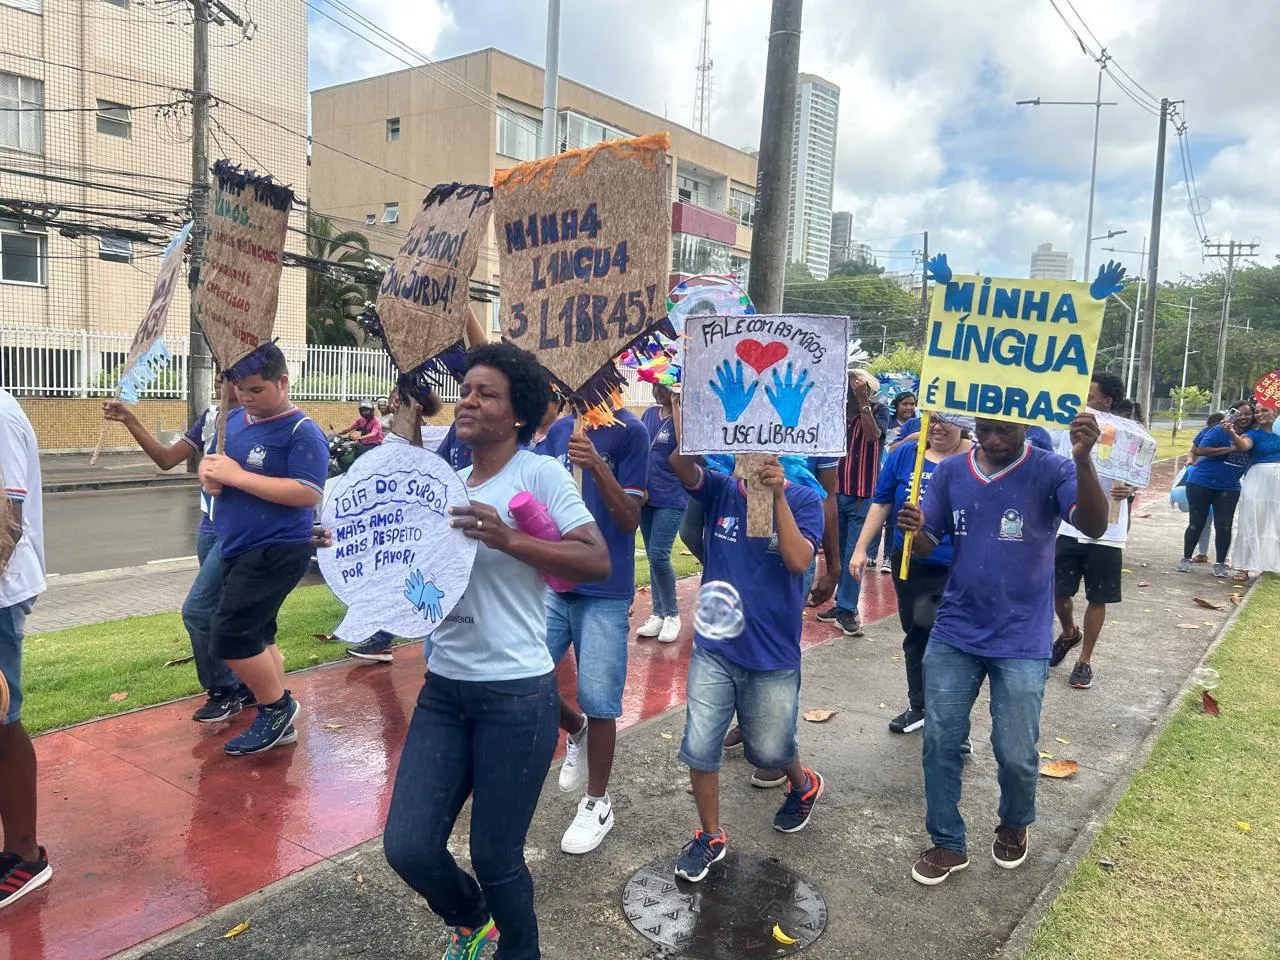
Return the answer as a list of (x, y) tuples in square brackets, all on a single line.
[(1019, 350), (395, 561), (239, 285), (152, 327), (422, 303), (584, 251), (765, 384), (1267, 390), (1124, 451)]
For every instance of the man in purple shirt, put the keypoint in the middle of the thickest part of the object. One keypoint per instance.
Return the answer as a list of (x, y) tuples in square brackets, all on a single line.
[(1001, 506), (614, 461)]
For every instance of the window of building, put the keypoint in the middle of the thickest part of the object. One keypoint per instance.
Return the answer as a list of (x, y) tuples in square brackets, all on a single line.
[(31, 6), (370, 219), (495, 312), (115, 249), (518, 135), (391, 212), (115, 119), (119, 3), (576, 131), (21, 116), (743, 206), (24, 256), (690, 254), (393, 129), (689, 190)]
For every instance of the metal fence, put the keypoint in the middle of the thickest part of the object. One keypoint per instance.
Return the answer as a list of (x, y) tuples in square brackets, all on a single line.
[(77, 363)]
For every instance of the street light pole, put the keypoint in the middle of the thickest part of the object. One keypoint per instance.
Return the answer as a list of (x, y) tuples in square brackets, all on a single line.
[(1186, 355), (550, 81), (1132, 345)]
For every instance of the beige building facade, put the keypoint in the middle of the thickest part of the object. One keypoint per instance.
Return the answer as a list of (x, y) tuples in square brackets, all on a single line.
[(95, 131), (462, 119)]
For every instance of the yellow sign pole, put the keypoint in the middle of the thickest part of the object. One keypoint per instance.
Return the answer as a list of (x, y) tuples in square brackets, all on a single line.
[(913, 495)]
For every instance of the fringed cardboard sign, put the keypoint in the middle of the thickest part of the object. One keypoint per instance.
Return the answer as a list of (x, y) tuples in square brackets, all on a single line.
[(422, 303), (765, 384), (584, 251), (153, 325), (239, 283)]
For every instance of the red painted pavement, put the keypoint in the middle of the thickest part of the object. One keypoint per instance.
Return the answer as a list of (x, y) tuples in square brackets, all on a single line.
[(149, 825)]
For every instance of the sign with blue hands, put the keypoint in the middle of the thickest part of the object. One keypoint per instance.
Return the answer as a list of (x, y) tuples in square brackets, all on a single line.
[(395, 561), (765, 384)]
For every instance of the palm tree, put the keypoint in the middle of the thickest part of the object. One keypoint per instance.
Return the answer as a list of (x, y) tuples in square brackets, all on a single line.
[(334, 297)]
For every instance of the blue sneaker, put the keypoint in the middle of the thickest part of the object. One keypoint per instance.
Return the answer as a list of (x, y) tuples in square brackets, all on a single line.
[(269, 729), (700, 853), (469, 946), (797, 807)]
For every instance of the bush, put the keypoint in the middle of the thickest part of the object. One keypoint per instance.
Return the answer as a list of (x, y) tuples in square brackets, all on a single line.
[(902, 359)]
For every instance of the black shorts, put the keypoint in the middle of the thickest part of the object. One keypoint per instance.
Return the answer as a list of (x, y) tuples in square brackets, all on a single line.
[(254, 585), (1099, 565)]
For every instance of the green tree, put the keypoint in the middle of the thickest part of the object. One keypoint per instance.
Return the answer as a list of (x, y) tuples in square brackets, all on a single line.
[(883, 313), (334, 294)]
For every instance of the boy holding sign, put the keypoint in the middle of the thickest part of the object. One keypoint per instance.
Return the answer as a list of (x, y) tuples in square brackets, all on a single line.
[(267, 485), (756, 674)]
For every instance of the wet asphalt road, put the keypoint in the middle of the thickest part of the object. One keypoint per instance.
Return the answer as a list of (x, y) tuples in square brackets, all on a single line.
[(100, 530)]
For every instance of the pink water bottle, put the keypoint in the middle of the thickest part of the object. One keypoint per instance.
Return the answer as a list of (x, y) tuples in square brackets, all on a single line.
[(532, 518)]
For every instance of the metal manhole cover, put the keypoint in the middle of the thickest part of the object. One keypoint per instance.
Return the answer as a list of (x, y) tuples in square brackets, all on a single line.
[(731, 914)]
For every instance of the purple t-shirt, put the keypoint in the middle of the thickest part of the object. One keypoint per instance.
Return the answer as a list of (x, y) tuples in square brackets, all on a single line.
[(665, 488), (772, 596), (625, 448), (1003, 528)]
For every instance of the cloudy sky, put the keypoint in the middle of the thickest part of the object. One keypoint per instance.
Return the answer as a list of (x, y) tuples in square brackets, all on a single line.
[(929, 136)]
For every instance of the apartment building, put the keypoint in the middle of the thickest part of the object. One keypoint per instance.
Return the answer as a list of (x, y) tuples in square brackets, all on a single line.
[(463, 118), (813, 174), (95, 159), (1050, 264), (841, 239)]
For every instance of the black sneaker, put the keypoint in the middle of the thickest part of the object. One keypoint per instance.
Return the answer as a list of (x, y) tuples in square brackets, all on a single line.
[(849, 623), (1009, 849), (1081, 676), (246, 697), (19, 877), (908, 721), (270, 728), (797, 806), (828, 615), (733, 742), (220, 706), (375, 649), (1062, 646)]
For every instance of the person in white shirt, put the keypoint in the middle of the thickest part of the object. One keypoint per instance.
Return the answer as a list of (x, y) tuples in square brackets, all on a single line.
[(24, 864)]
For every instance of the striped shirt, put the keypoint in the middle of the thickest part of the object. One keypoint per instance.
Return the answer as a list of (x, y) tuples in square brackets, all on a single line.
[(860, 468)]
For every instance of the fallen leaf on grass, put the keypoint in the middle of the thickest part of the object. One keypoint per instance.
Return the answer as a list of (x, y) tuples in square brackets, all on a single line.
[(1045, 756), (1188, 626), (1209, 704), (1144, 583), (1107, 865), (314, 658), (666, 736), (1060, 740), (686, 553), (323, 637), (1060, 769), (178, 660), (1207, 604), (333, 726), (819, 716), (1242, 826), (117, 697), (235, 931)]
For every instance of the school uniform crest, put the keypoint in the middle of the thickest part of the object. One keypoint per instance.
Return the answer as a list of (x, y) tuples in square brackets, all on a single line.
[(257, 456), (1011, 525), (727, 529)]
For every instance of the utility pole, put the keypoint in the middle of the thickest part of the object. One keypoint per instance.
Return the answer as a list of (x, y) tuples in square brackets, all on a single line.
[(1146, 354), (551, 82), (1093, 171), (1234, 249), (924, 284), (773, 177), (199, 359)]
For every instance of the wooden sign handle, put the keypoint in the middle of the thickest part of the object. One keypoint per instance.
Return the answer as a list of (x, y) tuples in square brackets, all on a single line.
[(102, 437), (579, 429), (913, 496), (748, 467), (407, 421)]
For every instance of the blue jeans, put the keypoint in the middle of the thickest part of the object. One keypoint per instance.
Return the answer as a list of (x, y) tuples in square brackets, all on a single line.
[(12, 623), (197, 617), (766, 701), (658, 526), (492, 742), (853, 514), (952, 679), (597, 628)]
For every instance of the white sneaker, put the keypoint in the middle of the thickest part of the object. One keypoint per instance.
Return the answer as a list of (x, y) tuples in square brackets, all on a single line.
[(591, 824), (670, 630), (573, 773), (652, 627)]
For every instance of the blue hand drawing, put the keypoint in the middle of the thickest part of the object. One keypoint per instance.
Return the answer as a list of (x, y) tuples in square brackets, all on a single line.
[(939, 269), (1110, 280), (733, 394), (788, 396), (425, 596)]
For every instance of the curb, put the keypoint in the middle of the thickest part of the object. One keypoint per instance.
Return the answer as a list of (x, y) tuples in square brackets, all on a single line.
[(1019, 939), (56, 580), (128, 483)]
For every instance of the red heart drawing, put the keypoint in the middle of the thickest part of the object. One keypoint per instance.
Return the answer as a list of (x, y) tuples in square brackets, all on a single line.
[(760, 356)]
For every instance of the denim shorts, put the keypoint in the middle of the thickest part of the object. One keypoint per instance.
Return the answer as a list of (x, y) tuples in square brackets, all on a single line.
[(12, 620), (766, 701), (597, 628)]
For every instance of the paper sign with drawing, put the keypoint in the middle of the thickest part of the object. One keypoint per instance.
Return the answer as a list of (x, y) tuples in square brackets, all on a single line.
[(148, 354), (1124, 451), (395, 560), (1019, 350), (765, 384)]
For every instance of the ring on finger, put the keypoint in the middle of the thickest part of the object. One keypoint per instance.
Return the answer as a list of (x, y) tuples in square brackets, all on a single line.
[(479, 524)]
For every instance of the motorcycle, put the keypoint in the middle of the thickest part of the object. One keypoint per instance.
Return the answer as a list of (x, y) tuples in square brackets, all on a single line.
[(342, 453)]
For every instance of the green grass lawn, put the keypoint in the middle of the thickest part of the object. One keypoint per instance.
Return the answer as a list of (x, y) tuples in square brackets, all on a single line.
[(1196, 839), (70, 675)]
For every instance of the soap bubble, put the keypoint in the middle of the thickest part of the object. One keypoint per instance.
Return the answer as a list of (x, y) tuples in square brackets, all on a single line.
[(1206, 678), (719, 614)]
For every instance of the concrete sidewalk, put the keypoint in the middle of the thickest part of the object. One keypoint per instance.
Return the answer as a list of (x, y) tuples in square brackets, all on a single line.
[(63, 472), (866, 831)]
